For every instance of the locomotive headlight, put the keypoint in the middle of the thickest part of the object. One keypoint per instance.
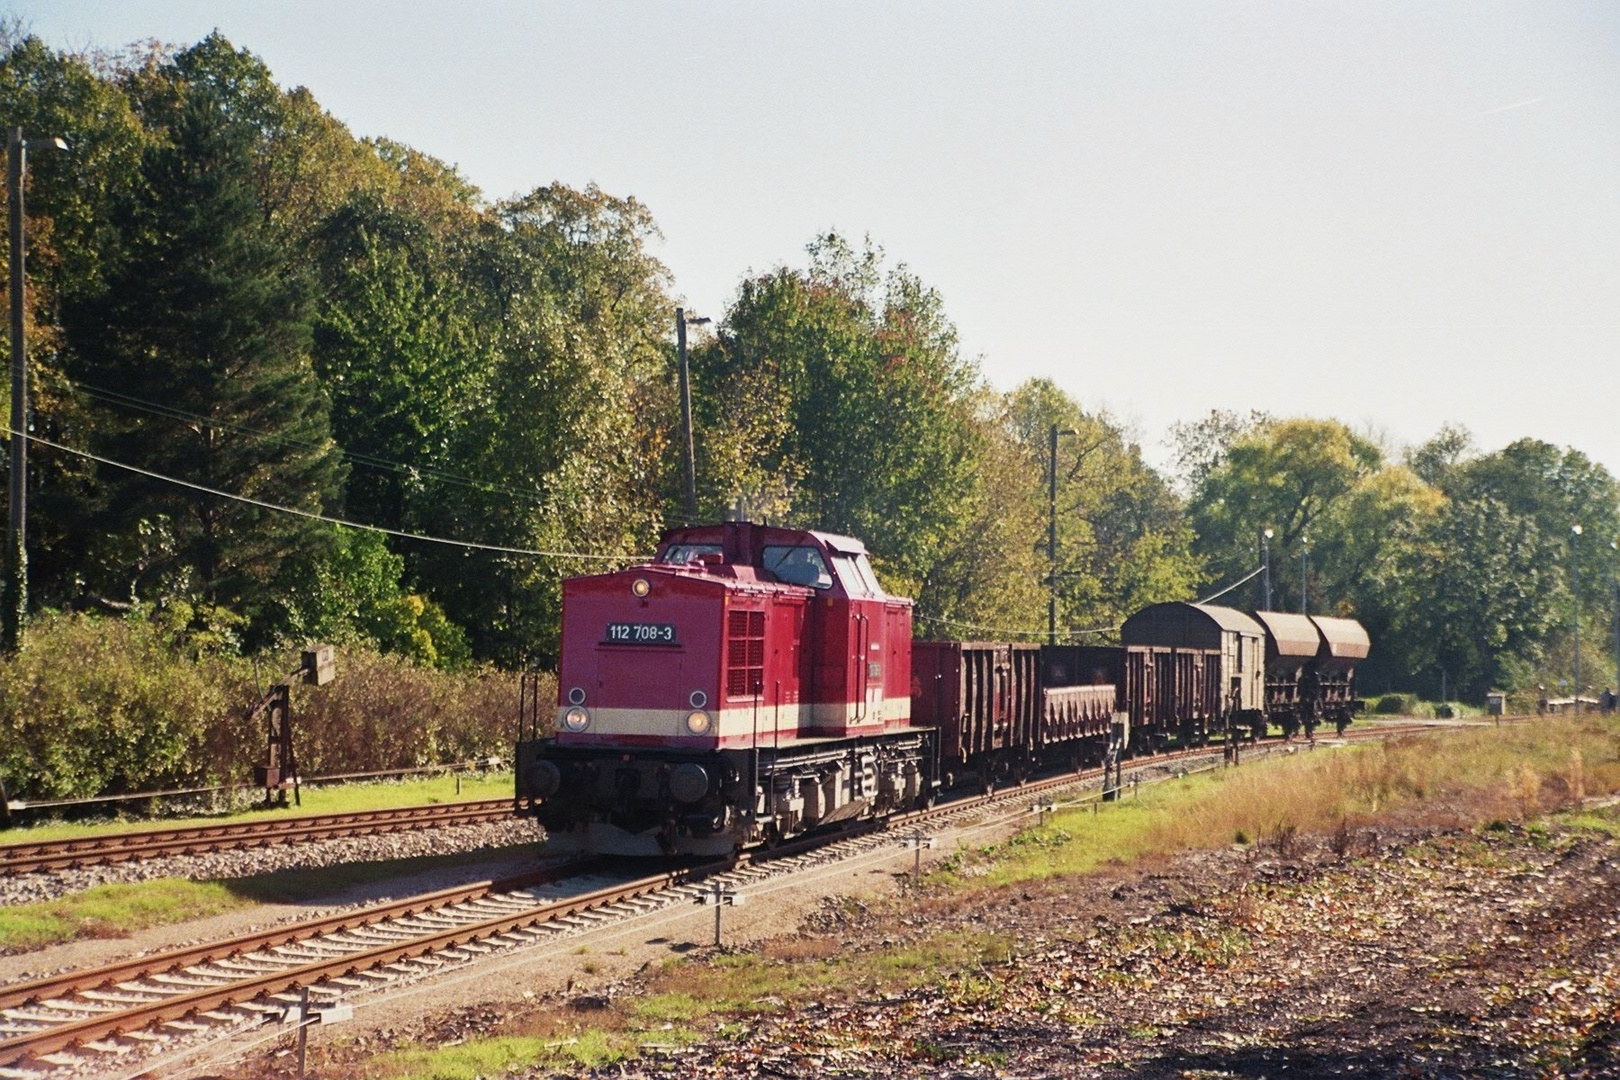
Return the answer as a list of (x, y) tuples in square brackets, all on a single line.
[(697, 721), (576, 719), (641, 586)]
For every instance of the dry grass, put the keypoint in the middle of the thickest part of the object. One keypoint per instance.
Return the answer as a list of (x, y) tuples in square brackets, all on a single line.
[(1453, 779)]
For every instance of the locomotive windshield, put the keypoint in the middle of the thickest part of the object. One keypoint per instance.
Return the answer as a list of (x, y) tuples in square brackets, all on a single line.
[(685, 553), (797, 564)]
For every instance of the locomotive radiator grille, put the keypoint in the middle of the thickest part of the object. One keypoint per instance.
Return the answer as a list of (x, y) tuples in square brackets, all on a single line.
[(745, 653)]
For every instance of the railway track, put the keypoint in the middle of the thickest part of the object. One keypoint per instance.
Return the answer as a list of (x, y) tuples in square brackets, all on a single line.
[(28, 857), (207, 991), (120, 1012)]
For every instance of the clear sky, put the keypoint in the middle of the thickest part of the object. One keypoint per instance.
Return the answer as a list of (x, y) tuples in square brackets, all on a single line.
[(1396, 213)]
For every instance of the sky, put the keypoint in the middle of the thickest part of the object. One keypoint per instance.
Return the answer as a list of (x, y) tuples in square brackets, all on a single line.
[(1398, 214)]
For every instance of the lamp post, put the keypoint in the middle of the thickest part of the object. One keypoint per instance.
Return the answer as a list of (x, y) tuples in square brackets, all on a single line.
[(1304, 572), (16, 556), (1265, 568), (1051, 531), (689, 457), (1575, 605)]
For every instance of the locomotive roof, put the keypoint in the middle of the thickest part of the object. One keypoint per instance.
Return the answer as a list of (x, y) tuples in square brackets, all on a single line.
[(844, 545), (1290, 635)]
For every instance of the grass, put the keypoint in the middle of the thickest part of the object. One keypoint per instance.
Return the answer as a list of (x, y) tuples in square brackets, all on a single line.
[(112, 911), (333, 799), (684, 997), (1455, 779), (108, 911)]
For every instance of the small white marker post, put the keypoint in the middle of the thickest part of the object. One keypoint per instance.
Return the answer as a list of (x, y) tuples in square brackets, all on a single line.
[(720, 896), (917, 841), (303, 1015), (1043, 809)]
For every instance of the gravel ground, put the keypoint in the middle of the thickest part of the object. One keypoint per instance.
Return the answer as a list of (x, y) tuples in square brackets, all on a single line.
[(238, 864), (1417, 955)]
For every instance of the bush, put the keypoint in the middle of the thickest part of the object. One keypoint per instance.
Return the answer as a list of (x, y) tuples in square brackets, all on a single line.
[(106, 706), (1394, 705), (95, 706)]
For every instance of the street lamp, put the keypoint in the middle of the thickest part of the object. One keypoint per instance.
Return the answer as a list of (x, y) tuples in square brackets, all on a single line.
[(1265, 568), (1304, 571), (1051, 530), (689, 458), (1575, 605), (16, 555)]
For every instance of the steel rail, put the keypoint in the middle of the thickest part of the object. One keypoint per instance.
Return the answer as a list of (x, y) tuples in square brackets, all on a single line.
[(99, 978), (30, 856), (20, 1048)]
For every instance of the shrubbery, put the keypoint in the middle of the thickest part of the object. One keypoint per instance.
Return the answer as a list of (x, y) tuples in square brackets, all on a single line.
[(112, 705)]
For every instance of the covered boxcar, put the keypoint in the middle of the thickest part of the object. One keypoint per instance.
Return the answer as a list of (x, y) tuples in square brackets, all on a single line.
[(1292, 644), (1192, 670)]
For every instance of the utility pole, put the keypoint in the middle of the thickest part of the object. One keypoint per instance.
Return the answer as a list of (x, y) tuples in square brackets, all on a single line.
[(15, 611), (1575, 605), (689, 457), (1615, 582), (1051, 531)]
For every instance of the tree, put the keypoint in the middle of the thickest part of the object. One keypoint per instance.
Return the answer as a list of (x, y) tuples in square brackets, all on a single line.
[(396, 346), (1290, 476), (1122, 540), (1478, 596), (859, 410), (204, 322), (569, 432)]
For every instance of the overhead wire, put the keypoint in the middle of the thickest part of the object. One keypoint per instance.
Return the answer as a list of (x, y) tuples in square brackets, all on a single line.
[(316, 516), (1240, 581)]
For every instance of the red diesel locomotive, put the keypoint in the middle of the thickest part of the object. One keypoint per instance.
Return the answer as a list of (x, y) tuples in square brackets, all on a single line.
[(750, 683)]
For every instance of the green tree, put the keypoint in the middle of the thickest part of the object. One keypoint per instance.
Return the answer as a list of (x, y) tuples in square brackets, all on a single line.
[(348, 592), (1123, 542), (395, 345), (1291, 476), (203, 317), (570, 434), (1478, 595), (843, 393)]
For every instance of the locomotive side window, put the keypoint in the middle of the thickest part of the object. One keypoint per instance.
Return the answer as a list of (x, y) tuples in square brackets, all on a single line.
[(685, 553), (864, 567), (856, 574), (797, 564)]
